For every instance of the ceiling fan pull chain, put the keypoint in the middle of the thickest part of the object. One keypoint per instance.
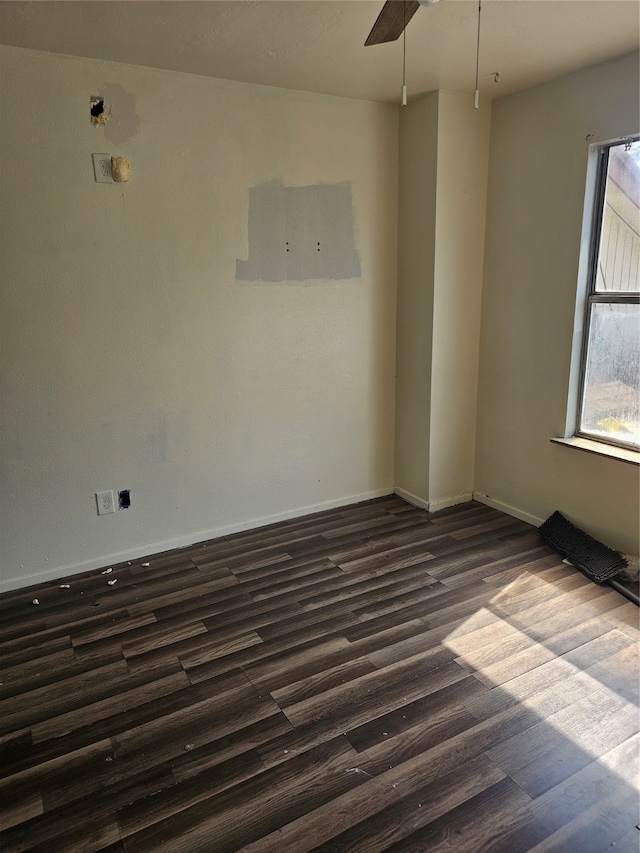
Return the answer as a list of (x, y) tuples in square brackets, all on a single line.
[(476, 94), (404, 53)]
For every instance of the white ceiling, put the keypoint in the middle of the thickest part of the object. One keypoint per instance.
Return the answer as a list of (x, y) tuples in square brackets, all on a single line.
[(318, 45)]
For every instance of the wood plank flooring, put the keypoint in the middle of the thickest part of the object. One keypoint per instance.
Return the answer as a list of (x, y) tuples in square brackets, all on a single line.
[(372, 678)]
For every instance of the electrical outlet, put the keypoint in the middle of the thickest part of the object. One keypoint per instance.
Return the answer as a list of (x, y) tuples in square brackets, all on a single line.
[(102, 168), (105, 502)]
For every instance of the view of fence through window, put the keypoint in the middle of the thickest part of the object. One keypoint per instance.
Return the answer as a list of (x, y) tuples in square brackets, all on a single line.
[(611, 392)]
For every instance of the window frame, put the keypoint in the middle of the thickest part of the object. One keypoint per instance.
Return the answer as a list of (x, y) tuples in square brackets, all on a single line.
[(591, 295)]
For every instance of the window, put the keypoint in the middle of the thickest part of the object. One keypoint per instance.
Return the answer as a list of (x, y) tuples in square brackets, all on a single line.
[(609, 397)]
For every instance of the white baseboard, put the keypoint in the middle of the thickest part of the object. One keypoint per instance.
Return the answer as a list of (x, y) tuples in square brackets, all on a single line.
[(185, 541), (434, 506), (443, 503), (411, 498), (508, 509)]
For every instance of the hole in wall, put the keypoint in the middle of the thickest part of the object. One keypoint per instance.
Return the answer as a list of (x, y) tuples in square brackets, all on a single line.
[(99, 113)]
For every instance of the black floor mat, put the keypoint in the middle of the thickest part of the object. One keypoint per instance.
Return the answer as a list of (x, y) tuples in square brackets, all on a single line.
[(596, 560)]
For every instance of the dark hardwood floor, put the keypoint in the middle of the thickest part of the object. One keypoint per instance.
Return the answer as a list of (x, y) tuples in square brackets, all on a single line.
[(372, 678)]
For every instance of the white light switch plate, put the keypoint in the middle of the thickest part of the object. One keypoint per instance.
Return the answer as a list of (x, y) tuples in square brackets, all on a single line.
[(102, 168)]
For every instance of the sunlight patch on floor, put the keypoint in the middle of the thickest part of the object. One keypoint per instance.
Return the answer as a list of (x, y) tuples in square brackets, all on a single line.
[(523, 658)]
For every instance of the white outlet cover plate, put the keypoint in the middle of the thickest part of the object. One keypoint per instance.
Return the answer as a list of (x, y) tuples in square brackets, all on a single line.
[(102, 168), (105, 502)]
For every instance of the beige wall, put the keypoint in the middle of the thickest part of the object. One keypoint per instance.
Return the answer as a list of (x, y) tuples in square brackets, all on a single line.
[(461, 198), (418, 153), (132, 358), (444, 148), (539, 150)]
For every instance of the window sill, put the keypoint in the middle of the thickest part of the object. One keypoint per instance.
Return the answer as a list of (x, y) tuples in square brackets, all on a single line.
[(601, 449)]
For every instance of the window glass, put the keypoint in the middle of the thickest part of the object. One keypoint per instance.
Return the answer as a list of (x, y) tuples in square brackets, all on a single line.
[(611, 404), (619, 257), (610, 399)]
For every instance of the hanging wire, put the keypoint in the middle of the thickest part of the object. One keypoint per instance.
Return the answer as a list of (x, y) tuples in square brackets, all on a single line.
[(404, 54), (476, 94)]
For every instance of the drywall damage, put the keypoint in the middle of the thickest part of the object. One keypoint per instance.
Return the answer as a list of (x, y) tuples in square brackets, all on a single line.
[(120, 169), (300, 234), (98, 111)]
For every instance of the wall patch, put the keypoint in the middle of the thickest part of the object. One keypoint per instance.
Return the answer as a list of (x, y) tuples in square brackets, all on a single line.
[(125, 122), (120, 169), (300, 233)]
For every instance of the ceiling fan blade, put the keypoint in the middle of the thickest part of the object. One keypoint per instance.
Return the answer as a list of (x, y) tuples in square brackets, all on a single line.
[(392, 20)]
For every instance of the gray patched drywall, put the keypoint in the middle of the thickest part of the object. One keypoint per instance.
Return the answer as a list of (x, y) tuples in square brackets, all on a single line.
[(300, 233), (124, 122)]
